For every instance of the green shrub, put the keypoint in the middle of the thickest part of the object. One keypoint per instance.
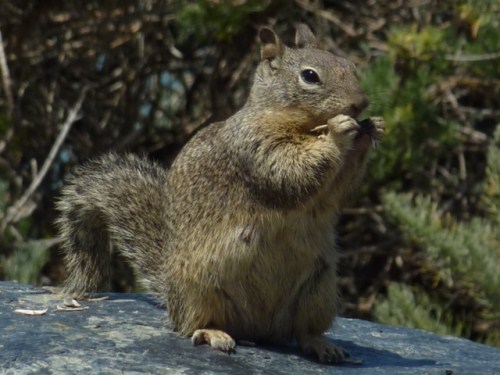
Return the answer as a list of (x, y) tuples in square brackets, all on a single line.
[(413, 308), (467, 252), (205, 20)]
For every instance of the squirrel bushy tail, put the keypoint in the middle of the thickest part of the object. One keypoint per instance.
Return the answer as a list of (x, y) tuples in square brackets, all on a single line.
[(100, 211)]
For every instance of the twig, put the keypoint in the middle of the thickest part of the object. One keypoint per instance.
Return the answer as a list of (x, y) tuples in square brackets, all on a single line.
[(6, 81), (14, 213), (329, 16), (462, 166), (7, 88), (362, 210), (472, 58)]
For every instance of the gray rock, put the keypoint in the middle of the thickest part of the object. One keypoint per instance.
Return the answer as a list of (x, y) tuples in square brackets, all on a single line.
[(128, 333)]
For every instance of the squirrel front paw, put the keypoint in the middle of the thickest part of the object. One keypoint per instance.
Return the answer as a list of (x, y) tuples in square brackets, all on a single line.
[(343, 129), (215, 338), (373, 127), (379, 125), (343, 125)]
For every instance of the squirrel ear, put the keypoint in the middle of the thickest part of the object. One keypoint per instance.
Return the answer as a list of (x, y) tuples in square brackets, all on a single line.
[(304, 37), (271, 46)]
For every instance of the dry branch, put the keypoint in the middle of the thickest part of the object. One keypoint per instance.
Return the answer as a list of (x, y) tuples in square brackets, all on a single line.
[(7, 88), (6, 81), (17, 210)]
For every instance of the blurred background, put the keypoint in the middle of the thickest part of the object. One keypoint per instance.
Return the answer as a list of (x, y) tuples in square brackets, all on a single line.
[(420, 246)]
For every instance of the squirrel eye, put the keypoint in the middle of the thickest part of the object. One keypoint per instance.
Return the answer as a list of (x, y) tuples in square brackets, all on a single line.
[(310, 76)]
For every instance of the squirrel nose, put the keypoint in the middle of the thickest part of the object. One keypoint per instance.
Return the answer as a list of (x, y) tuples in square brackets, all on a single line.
[(359, 105)]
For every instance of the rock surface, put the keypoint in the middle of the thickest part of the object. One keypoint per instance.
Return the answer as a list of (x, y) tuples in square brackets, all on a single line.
[(128, 333)]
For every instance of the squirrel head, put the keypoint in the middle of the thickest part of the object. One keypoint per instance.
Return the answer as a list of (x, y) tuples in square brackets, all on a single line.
[(305, 77)]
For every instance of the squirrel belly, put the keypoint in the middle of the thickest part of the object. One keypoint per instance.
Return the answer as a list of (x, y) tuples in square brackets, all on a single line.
[(257, 264), (237, 238)]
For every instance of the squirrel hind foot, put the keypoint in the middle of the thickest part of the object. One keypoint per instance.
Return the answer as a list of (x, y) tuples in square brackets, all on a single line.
[(216, 339), (323, 350)]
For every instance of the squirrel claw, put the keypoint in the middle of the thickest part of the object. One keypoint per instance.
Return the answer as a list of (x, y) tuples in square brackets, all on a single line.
[(323, 350), (319, 128), (216, 339)]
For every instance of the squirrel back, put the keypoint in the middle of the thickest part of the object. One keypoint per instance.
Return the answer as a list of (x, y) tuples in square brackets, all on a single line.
[(237, 238)]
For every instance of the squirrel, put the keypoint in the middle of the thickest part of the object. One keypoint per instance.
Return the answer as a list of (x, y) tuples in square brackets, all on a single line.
[(236, 239)]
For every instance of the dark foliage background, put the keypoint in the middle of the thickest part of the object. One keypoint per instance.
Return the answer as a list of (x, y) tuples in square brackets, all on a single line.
[(420, 245)]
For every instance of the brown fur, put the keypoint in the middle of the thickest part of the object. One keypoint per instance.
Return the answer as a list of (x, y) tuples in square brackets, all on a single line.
[(237, 238)]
